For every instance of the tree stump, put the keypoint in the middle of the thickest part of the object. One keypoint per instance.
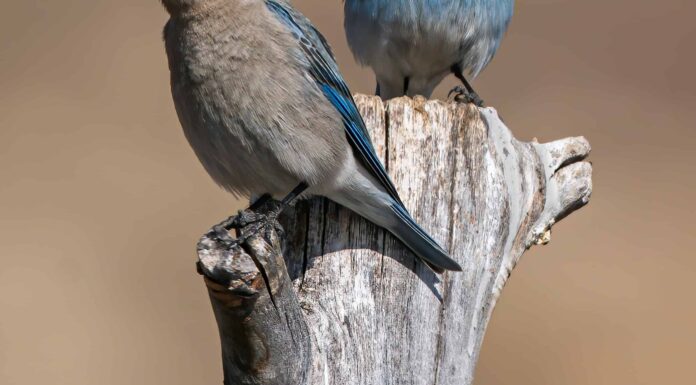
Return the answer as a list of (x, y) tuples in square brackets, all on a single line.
[(337, 300)]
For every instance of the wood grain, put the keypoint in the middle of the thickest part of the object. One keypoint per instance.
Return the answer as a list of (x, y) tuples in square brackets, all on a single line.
[(348, 304)]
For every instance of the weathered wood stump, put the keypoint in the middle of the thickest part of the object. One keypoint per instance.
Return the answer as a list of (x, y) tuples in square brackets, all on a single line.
[(345, 303)]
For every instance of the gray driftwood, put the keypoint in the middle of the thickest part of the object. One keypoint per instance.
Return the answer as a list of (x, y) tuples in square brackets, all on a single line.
[(344, 303)]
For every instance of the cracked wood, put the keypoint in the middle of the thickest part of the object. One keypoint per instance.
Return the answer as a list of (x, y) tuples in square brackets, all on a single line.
[(353, 305)]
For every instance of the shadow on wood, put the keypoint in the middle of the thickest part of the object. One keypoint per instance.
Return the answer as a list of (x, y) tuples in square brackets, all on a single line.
[(347, 304)]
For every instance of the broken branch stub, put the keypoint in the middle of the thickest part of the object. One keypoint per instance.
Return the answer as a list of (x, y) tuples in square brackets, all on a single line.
[(345, 303)]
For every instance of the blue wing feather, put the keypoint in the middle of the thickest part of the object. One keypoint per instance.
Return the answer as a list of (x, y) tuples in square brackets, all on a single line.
[(324, 70)]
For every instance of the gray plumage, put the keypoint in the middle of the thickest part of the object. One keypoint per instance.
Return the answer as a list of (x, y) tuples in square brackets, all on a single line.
[(421, 40), (262, 104)]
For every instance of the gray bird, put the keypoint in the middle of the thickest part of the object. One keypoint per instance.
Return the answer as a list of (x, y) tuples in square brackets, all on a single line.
[(261, 101), (412, 45)]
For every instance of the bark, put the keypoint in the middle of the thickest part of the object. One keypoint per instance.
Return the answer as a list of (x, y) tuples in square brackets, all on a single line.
[(345, 303)]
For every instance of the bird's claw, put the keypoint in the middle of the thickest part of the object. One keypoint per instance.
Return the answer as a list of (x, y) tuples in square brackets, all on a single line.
[(266, 223), (457, 90), (462, 95), (222, 236), (247, 224)]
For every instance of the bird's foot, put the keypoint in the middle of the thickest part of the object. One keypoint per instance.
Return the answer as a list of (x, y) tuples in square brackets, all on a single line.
[(266, 223), (247, 224), (462, 95)]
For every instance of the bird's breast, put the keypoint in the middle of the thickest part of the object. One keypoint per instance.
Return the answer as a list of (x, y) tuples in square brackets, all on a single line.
[(249, 111)]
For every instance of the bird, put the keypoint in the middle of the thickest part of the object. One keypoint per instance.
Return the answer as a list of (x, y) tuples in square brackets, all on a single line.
[(262, 103), (411, 45)]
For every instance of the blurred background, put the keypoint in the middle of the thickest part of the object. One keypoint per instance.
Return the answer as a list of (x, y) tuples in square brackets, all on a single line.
[(102, 200)]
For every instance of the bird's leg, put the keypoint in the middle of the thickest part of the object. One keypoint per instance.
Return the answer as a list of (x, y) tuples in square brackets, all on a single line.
[(377, 90), (466, 94), (249, 222), (270, 222), (407, 81)]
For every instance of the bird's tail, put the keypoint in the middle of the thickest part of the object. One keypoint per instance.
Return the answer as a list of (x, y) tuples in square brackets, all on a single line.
[(416, 239), (392, 216)]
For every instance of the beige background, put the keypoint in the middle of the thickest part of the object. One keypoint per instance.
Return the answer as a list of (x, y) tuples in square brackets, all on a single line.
[(101, 199)]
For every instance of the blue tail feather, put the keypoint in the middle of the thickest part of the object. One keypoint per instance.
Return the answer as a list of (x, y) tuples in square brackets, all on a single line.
[(416, 239)]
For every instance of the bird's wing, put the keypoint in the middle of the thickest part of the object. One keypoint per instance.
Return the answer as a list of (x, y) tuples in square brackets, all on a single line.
[(324, 70)]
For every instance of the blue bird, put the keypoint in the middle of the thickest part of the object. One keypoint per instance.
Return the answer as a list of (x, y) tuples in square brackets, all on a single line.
[(411, 45), (264, 107)]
